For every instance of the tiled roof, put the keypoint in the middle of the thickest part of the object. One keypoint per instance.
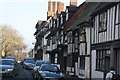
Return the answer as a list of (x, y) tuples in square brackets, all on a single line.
[(71, 8), (74, 17), (103, 7), (85, 15)]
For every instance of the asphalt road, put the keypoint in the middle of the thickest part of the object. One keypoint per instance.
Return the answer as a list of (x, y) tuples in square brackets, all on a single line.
[(24, 74)]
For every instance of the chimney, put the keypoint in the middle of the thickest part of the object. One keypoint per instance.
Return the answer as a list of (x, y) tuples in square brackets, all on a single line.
[(73, 2), (49, 5)]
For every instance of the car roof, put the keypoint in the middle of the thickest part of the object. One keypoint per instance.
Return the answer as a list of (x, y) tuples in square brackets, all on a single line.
[(42, 61), (28, 58), (8, 59), (49, 65)]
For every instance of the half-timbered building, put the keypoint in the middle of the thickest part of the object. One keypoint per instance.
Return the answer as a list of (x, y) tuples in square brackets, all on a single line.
[(105, 39)]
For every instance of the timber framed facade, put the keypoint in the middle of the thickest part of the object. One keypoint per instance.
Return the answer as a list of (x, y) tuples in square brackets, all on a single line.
[(84, 41), (105, 39)]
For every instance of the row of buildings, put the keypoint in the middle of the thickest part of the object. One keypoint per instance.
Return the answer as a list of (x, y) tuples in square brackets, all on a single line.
[(84, 40)]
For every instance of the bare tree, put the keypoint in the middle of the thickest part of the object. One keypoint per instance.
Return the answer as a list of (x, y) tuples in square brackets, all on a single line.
[(11, 41)]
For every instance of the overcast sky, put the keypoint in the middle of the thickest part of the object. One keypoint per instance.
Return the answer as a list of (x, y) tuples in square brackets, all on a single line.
[(23, 15)]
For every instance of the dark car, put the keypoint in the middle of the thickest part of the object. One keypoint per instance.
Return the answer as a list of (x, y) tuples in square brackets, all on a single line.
[(48, 71), (37, 65), (8, 67), (28, 64), (24, 59)]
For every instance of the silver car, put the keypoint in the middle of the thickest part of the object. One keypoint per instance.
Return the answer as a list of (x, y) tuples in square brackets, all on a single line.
[(28, 64)]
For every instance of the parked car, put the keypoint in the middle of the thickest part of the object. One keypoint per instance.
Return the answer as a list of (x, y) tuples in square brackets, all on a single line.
[(8, 67), (10, 57), (48, 71), (28, 64), (37, 65), (24, 59)]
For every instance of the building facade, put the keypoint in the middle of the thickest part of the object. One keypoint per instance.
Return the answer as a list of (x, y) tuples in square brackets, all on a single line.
[(83, 40), (105, 39)]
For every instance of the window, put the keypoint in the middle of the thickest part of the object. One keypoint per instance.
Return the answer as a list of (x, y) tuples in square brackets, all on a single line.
[(76, 41), (82, 35), (100, 59), (48, 42), (102, 22), (53, 39), (70, 37), (56, 57), (82, 62)]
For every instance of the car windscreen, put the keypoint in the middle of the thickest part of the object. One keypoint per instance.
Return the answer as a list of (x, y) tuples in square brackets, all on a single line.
[(29, 61), (40, 63), (7, 62), (50, 68)]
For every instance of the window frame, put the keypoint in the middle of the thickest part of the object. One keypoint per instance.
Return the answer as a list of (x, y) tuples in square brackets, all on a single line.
[(102, 22), (53, 39), (82, 35), (82, 63), (100, 59), (69, 37)]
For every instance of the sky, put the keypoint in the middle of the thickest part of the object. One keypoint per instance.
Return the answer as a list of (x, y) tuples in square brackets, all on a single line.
[(23, 15)]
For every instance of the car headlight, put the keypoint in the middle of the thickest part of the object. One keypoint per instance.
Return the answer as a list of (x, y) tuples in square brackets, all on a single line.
[(9, 69), (61, 74), (34, 69)]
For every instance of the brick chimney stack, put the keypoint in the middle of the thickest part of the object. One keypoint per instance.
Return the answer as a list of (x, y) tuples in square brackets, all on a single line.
[(73, 2), (54, 7)]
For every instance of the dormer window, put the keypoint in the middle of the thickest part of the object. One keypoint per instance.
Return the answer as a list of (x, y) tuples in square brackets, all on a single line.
[(102, 22)]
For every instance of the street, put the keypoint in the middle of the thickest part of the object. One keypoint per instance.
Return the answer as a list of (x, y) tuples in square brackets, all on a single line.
[(24, 74)]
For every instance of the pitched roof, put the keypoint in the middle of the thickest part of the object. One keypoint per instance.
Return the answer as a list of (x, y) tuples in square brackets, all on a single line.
[(103, 7), (71, 8), (74, 17), (85, 15)]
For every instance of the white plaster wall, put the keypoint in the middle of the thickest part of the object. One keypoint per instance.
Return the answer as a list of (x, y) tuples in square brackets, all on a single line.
[(88, 39), (54, 47), (116, 27), (82, 49), (69, 48), (76, 68), (87, 67), (46, 57)]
